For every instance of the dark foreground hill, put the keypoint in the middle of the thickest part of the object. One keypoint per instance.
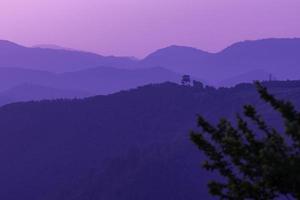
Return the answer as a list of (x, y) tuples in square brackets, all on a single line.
[(131, 145)]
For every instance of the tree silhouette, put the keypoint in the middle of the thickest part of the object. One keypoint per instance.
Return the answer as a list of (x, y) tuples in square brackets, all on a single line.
[(198, 85), (255, 162), (186, 80)]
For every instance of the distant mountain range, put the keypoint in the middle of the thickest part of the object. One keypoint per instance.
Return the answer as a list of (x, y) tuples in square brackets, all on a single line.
[(248, 78), (63, 69), (31, 92), (56, 60), (53, 46), (277, 56), (131, 145), (99, 80), (280, 57)]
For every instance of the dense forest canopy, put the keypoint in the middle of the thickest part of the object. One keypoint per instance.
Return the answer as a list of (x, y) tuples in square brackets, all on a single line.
[(120, 146)]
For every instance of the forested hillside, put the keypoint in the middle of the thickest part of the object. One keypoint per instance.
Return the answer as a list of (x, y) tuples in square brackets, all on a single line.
[(130, 145)]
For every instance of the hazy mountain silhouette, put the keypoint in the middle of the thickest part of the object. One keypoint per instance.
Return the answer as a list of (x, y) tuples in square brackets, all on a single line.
[(100, 80), (11, 77), (105, 80), (130, 145), (277, 56), (56, 60), (178, 58), (248, 78), (52, 46), (29, 92)]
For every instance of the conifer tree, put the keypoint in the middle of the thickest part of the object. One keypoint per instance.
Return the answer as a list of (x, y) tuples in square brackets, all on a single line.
[(255, 161)]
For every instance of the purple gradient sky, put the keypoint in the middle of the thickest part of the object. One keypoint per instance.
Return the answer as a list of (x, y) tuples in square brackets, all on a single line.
[(137, 27)]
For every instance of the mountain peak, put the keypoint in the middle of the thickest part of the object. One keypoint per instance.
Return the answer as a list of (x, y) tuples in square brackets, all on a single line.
[(262, 44), (176, 49), (8, 44), (51, 46), (176, 58)]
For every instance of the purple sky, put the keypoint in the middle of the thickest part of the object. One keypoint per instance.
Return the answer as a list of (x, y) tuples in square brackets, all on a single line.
[(137, 27)]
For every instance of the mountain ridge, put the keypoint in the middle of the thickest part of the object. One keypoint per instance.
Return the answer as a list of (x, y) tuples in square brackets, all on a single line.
[(55, 60), (92, 81), (118, 146), (277, 56)]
